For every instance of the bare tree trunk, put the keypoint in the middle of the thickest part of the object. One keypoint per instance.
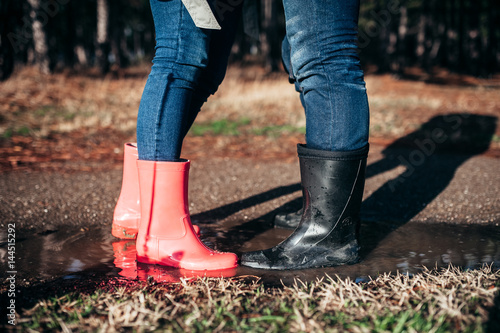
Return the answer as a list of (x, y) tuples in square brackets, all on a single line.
[(269, 37), (401, 43), (118, 40), (461, 35), (382, 28), (6, 47), (69, 38), (438, 30), (76, 49), (38, 21), (102, 50), (491, 47), (451, 36), (473, 45), (422, 34)]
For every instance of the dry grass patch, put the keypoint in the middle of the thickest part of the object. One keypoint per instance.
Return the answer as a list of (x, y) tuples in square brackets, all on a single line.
[(37, 105), (251, 113), (433, 301)]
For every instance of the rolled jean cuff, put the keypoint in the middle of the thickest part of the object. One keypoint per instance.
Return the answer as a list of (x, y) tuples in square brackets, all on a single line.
[(304, 152)]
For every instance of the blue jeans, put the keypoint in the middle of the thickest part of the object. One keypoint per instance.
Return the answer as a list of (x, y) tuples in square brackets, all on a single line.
[(189, 65), (319, 52), (320, 55)]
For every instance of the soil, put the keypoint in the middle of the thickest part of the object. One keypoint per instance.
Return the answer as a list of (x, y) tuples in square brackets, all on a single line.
[(79, 122)]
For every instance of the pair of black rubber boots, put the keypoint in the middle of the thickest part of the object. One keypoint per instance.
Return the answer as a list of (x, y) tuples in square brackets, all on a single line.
[(328, 230)]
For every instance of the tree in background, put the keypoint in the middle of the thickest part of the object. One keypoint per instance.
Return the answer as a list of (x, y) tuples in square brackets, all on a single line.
[(102, 39), (459, 35), (9, 12), (38, 23)]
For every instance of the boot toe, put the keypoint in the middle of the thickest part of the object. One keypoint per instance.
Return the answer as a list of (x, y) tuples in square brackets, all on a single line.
[(220, 261), (208, 261)]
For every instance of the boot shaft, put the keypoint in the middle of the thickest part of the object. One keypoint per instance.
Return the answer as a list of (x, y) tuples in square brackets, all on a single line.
[(327, 235), (127, 212), (332, 187), (129, 194), (166, 235), (163, 188)]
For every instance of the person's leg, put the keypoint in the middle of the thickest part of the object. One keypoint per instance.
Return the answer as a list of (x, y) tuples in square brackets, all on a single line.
[(165, 233), (327, 73), (127, 211), (287, 65), (164, 103), (220, 45), (180, 57)]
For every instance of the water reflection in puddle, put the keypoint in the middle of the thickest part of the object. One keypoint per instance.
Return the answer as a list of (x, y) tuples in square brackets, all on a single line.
[(82, 254)]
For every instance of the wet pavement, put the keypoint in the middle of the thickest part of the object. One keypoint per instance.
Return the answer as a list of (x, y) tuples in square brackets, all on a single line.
[(447, 188), (441, 209), (77, 255)]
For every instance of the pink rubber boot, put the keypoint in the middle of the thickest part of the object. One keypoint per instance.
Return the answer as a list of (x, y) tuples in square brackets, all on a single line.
[(128, 208), (166, 235), (127, 212)]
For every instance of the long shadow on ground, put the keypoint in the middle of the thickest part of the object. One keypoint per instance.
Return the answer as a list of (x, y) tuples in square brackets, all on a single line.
[(459, 136)]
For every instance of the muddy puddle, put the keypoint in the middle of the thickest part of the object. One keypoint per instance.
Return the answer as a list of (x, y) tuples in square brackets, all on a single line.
[(85, 254)]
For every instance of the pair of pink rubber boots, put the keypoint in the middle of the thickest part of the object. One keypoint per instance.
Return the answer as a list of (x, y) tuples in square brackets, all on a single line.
[(153, 208)]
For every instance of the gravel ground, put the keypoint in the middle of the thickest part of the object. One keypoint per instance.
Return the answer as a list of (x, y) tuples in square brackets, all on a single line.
[(447, 188)]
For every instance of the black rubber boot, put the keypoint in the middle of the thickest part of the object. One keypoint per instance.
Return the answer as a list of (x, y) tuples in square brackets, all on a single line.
[(327, 235)]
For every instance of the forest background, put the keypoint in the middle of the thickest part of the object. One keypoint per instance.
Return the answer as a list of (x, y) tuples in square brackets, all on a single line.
[(461, 36)]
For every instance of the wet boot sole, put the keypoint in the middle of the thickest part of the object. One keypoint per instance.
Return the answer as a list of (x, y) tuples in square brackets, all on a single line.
[(345, 255), (170, 262)]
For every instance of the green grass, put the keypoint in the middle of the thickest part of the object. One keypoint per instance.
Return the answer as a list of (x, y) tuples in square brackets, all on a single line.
[(242, 126), (22, 130), (219, 127), (434, 301), (277, 130), (54, 112)]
